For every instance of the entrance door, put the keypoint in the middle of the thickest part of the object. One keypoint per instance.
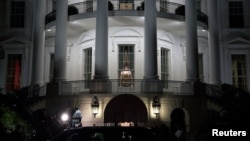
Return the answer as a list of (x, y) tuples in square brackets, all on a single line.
[(125, 108)]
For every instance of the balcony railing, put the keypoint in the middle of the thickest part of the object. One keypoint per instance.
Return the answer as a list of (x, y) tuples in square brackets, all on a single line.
[(115, 86), (115, 5)]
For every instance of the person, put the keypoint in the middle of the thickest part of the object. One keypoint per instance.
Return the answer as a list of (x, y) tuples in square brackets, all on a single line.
[(76, 118)]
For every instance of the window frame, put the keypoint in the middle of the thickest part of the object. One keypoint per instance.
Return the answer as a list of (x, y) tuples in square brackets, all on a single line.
[(132, 46), (166, 62), (236, 13), (20, 24), (245, 85), (87, 63), (9, 71)]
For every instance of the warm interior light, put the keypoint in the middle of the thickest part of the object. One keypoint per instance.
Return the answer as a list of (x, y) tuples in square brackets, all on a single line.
[(95, 106), (156, 106), (126, 78), (95, 110)]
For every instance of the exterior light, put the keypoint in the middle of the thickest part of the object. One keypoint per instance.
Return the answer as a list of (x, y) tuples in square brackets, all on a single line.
[(49, 29), (95, 106), (156, 106), (64, 117)]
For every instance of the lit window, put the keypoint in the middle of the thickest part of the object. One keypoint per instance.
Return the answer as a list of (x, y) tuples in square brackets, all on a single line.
[(126, 65), (13, 72), (239, 69), (126, 4)]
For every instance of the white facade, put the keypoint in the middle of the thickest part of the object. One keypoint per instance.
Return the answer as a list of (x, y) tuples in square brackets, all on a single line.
[(125, 28), (122, 35), (28, 52)]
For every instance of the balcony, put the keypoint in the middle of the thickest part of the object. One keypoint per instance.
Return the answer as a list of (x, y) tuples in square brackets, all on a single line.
[(114, 6), (116, 86)]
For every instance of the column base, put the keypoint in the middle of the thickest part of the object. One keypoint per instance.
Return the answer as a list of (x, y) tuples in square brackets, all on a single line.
[(193, 88), (53, 89), (100, 86), (152, 86)]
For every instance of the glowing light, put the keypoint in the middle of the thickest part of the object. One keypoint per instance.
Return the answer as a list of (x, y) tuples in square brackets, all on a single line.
[(64, 117)]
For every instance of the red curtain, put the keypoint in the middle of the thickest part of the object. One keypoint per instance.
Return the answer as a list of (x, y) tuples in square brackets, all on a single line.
[(17, 73)]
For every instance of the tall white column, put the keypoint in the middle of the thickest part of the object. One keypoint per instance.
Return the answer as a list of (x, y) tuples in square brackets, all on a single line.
[(150, 41), (191, 41), (61, 41), (214, 43), (38, 46), (101, 50)]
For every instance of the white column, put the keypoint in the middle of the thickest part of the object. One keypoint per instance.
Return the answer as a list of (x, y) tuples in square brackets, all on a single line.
[(214, 43), (101, 49), (61, 41), (191, 41), (150, 41), (38, 46)]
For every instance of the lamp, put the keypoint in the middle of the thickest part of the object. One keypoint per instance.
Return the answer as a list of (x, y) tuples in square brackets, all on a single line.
[(64, 117), (156, 106), (95, 106)]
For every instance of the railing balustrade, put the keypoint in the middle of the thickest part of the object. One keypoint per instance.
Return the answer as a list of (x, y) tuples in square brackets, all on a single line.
[(116, 87), (213, 90), (162, 6), (78, 87)]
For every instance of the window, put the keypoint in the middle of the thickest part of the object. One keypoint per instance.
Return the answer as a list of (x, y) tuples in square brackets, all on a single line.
[(54, 5), (17, 16), (14, 66), (164, 66), (126, 4), (236, 17), (126, 65), (239, 75), (164, 5), (200, 61), (52, 60), (126, 1), (87, 66), (89, 5)]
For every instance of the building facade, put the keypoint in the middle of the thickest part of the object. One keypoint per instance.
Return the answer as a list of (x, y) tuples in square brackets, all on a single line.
[(77, 49)]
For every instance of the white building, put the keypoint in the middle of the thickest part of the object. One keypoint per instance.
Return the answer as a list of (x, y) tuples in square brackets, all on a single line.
[(96, 39)]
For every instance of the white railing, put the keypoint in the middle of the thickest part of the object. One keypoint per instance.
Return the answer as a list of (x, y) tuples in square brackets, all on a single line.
[(137, 86)]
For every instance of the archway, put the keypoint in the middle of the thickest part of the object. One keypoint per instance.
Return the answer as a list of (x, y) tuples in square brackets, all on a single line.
[(178, 125), (125, 108)]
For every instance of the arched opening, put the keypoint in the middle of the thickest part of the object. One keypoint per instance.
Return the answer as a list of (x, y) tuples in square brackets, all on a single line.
[(178, 125), (125, 108)]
